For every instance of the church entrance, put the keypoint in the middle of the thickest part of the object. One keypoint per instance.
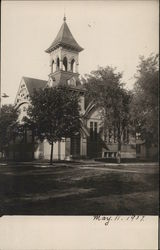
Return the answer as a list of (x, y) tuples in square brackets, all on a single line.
[(75, 146)]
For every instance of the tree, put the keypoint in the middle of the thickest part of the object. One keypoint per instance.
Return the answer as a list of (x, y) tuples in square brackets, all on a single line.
[(145, 99), (8, 126), (54, 114), (106, 90)]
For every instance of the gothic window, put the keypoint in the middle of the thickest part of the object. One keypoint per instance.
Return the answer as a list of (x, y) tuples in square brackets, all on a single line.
[(72, 81), (110, 135), (57, 63), (65, 64), (73, 65), (91, 130), (95, 130)]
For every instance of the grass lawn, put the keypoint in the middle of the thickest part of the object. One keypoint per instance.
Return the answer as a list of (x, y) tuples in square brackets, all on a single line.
[(78, 190)]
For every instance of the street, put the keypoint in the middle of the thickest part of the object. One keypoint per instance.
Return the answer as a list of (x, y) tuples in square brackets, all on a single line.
[(77, 189)]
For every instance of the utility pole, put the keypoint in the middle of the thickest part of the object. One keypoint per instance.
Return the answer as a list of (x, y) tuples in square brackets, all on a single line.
[(0, 95)]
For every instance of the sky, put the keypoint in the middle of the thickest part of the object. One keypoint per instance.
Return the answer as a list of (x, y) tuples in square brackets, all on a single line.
[(112, 33)]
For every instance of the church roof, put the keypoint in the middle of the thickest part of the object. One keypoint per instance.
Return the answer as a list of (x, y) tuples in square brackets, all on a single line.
[(62, 78), (33, 84), (64, 38)]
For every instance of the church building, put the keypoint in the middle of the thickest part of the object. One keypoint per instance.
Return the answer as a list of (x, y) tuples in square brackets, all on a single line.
[(90, 142)]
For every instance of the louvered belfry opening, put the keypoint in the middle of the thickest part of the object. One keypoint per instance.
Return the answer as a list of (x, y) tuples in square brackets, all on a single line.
[(65, 64)]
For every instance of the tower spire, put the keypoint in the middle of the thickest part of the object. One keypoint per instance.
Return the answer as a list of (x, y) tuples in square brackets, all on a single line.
[(65, 39)]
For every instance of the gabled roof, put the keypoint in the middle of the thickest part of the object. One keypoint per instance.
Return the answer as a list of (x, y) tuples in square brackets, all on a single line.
[(64, 38), (33, 83), (91, 106)]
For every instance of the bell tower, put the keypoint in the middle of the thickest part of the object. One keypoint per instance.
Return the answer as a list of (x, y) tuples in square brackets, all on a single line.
[(64, 58)]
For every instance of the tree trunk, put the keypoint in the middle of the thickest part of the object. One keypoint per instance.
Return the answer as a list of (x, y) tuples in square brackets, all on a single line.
[(148, 145), (59, 150), (33, 141), (119, 147), (51, 155), (14, 148), (147, 151), (119, 138), (119, 153)]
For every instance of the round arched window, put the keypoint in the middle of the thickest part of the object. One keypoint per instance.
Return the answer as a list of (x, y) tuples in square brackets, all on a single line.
[(57, 63), (65, 63), (73, 65)]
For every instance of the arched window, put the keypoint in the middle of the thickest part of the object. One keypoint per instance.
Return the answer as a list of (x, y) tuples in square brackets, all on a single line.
[(73, 65), (65, 63), (57, 63), (53, 67)]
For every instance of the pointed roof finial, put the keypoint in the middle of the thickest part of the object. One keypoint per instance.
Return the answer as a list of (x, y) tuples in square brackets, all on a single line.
[(64, 18), (65, 39)]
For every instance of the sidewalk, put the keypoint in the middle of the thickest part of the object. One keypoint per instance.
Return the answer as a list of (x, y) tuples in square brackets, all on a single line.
[(80, 163)]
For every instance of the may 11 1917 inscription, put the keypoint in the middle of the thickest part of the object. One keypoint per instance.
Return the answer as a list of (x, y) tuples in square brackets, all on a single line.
[(108, 219)]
